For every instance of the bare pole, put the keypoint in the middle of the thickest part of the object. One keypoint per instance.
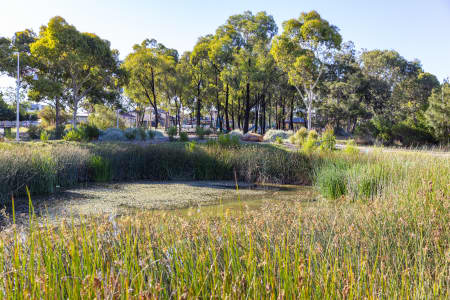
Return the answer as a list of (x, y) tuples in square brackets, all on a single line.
[(17, 98)]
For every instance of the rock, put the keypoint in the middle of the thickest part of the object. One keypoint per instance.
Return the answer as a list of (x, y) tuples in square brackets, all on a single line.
[(252, 137)]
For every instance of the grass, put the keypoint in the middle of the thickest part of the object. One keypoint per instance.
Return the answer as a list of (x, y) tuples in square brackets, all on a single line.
[(384, 236), (45, 166)]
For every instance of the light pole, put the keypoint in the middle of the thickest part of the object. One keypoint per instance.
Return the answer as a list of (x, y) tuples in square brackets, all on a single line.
[(17, 97)]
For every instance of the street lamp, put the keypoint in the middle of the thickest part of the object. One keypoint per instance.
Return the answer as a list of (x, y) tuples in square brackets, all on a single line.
[(17, 97)]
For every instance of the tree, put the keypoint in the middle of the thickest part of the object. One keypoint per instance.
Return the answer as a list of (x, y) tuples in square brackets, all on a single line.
[(145, 67), (303, 50), (85, 63), (438, 112), (104, 117), (6, 113), (48, 116)]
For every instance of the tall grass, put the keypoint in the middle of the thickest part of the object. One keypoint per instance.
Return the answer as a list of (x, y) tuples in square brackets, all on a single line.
[(387, 238), (45, 166)]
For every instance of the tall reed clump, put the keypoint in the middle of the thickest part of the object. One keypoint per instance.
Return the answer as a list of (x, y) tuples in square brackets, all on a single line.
[(44, 167)]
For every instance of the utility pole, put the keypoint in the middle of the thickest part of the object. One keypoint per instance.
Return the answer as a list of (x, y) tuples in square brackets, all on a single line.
[(17, 97)]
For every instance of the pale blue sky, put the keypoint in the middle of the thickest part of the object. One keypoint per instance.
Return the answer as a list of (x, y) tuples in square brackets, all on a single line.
[(416, 29)]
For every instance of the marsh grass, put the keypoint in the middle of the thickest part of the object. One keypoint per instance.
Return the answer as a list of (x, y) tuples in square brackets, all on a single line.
[(394, 247), (44, 167)]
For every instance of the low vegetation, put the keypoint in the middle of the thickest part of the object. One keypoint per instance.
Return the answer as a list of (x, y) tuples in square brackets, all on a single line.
[(379, 233)]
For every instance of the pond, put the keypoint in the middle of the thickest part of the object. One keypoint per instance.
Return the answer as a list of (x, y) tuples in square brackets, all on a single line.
[(184, 197)]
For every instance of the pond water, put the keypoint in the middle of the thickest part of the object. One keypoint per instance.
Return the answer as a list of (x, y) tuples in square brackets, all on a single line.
[(190, 197)]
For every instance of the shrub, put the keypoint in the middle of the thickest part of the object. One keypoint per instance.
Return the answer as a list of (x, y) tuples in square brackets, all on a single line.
[(236, 132), (151, 134), (112, 134), (272, 134), (184, 137), (328, 140), (200, 132), (311, 143), (130, 133), (34, 132), (88, 132), (228, 141), (44, 136), (411, 136), (172, 132), (351, 148), (299, 136), (74, 135), (142, 134), (191, 146), (279, 140)]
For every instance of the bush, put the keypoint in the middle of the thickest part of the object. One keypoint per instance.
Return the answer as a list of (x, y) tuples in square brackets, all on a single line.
[(112, 134), (200, 132), (130, 133), (279, 140), (351, 148), (184, 137), (236, 132), (299, 136), (34, 132), (191, 146), (411, 136), (172, 132), (44, 136), (228, 141), (311, 143), (151, 134), (74, 136), (141, 133), (328, 140), (272, 134), (88, 132)]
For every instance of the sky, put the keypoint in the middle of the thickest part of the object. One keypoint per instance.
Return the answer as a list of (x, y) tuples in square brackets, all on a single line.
[(417, 29)]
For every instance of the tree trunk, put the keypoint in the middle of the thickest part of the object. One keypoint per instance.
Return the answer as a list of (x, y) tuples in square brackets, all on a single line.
[(74, 117), (283, 116), (276, 116), (227, 120), (239, 113), (247, 108), (198, 104), (232, 114), (256, 114), (57, 109), (263, 119), (291, 118), (156, 117)]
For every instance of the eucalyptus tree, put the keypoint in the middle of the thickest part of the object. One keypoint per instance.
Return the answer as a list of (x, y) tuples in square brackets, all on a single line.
[(146, 67), (303, 50), (247, 31), (438, 112), (86, 64)]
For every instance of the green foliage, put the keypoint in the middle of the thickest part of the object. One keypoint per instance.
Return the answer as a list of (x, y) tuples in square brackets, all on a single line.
[(34, 132), (74, 135), (100, 168), (279, 140), (103, 118), (88, 132), (71, 164), (172, 132), (299, 136), (438, 113), (410, 135), (151, 134), (272, 134), (184, 137), (228, 141), (44, 136), (200, 132), (351, 148), (48, 116), (331, 180), (112, 134), (131, 133), (328, 139), (191, 146)]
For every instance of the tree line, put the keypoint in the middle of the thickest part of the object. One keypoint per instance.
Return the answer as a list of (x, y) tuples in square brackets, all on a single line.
[(247, 71)]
